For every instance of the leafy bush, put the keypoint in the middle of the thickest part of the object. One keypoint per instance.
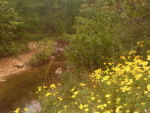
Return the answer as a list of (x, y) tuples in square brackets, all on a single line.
[(9, 20), (13, 48), (91, 45), (44, 51), (106, 30)]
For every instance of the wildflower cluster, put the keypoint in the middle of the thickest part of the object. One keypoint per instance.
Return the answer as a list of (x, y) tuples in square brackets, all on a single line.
[(126, 86), (123, 88), (140, 43), (18, 110)]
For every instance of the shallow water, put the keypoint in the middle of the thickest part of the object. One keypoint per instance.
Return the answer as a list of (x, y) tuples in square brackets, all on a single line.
[(19, 90)]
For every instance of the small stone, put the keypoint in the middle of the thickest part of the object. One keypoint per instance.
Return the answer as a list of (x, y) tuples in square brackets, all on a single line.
[(2, 80), (19, 65), (58, 71), (52, 57)]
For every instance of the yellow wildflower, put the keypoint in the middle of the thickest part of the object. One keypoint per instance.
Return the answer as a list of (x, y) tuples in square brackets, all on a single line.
[(99, 101), (92, 98), (48, 94), (109, 102), (118, 109), (148, 57), (86, 109), (96, 112), (26, 109), (145, 79), (136, 112), (52, 86), (44, 87), (143, 103), (81, 84), (118, 100), (75, 93), (85, 106), (72, 89), (81, 106), (17, 110), (132, 52), (65, 107), (148, 87), (145, 92), (138, 76), (105, 78), (108, 96), (39, 89), (60, 98), (122, 57), (125, 88), (108, 83), (107, 112)]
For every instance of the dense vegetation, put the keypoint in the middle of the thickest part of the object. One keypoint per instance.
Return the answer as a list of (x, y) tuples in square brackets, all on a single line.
[(109, 36), (9, 20), (115, 90), (22, 21), (108, 29)]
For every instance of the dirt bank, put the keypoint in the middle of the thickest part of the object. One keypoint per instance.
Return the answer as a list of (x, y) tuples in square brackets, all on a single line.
[(15, 64)]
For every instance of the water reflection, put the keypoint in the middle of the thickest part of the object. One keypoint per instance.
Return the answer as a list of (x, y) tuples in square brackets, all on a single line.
[(19, 90)]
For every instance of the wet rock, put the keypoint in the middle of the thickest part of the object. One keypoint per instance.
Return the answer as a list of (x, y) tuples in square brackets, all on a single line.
[(58, 71), (59, 49)]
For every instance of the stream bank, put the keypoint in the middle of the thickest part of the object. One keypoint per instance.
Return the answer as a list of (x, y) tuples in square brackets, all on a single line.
[(19, 89)]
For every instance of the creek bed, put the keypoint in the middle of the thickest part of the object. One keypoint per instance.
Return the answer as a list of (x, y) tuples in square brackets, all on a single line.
[(19, 89)]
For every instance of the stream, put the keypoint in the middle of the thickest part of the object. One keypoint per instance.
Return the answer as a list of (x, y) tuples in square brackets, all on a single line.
[(19, 89)]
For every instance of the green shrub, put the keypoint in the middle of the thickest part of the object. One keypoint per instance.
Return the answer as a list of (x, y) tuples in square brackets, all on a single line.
[(12, 48), (104, 31), (44, 51), (9, 20), (92, 45), (88, 52)]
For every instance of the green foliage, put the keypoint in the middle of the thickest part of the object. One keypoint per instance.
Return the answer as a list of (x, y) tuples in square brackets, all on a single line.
[(12, 48), (9, 20), (106, 30), (43, 53), (91, 46), (41, 18), (49, 16)]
